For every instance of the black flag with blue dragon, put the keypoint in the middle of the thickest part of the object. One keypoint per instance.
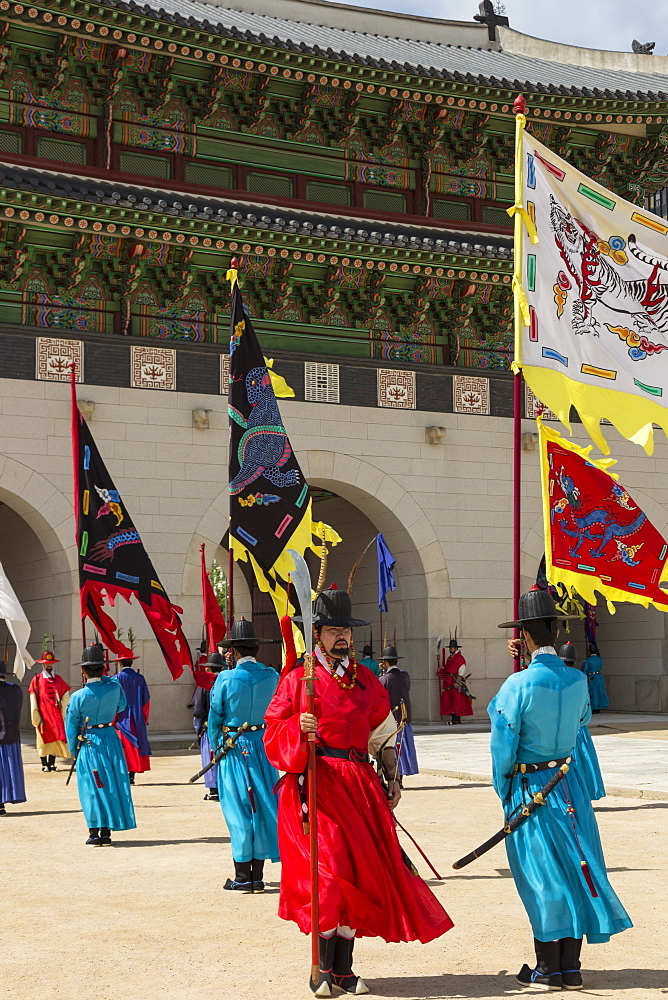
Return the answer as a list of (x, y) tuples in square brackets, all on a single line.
[(112, 559), (270, 506)]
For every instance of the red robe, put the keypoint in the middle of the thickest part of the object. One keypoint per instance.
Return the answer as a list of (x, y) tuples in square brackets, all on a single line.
[(363, 881), (49, 693), (453, 700)]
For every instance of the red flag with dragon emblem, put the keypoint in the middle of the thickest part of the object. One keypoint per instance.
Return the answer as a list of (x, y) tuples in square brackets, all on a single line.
[(597, 538)]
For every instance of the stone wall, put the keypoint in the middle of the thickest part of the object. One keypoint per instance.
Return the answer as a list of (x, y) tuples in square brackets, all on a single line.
[(445, 511)]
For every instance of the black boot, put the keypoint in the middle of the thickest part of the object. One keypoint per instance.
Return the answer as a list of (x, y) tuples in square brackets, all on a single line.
[(93, 837), (3, 811), (212, 795), (343, 977), (547, 973), (242, 881), (327, 947), (570, 963), (257, 871), (52, 762), (105, 836), (45, 763), (455, 720), (131, 775)]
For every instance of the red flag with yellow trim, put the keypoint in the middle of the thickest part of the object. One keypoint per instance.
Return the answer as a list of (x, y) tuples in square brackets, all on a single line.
[(597, 538)]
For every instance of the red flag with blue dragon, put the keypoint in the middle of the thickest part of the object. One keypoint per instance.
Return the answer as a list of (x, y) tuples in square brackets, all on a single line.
[(597, 538), (112, 559)]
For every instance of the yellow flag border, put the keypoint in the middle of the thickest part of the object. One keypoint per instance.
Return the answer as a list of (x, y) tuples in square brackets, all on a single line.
[(585, 586), (632, 416)]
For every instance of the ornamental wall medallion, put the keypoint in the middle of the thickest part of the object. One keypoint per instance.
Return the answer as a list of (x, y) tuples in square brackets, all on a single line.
[(396, 389), (224, 374), (55, 359), (153, 368), (532, 405), (470, 394)]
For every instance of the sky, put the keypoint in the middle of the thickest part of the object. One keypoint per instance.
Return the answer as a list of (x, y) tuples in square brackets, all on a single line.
[(595, 24)]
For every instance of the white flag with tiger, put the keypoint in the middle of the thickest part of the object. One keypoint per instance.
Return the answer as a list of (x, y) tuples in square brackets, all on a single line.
[(594, 302)]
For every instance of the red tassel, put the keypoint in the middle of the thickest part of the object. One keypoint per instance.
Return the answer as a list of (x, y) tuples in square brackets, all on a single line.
[(98, 780), (290, 648), (588, 879)]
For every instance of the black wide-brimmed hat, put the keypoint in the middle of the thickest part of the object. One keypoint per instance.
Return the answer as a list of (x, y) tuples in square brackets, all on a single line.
[(333, 607), (92, 656), (242, 634), (216, 662), (534, 606), (390, 653), (568, 652)]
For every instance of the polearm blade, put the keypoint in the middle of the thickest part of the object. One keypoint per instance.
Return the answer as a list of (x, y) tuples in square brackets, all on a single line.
[(301, 580), (510, 827)]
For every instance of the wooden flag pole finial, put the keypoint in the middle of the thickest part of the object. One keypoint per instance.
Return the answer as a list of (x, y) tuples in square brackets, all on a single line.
[(520, 105)]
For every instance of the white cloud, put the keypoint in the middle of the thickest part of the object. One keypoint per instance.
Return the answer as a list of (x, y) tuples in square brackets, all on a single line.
[(596, 24)]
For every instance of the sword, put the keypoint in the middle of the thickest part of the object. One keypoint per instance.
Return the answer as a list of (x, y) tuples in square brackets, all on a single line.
[(82, 739), (227, 746), (301, 581), (513, 824)]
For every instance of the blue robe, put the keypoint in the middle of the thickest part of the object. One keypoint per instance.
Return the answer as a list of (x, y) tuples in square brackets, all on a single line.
[(598, 696), (586, 758), (12, 785), (102, 755), (536, 716), (131, 721), (238, 696), (373, 666)]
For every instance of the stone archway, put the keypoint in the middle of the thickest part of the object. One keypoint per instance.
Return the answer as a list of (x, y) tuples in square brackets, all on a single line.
[(424, 595), (421, 605), (38, 554)]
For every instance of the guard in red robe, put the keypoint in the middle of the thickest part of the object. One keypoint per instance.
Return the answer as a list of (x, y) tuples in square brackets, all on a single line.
[(456, 698), (49, 695), (365, 887)]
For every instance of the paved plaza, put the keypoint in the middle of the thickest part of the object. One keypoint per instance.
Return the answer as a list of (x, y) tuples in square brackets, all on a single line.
[(632, 751), (147, 918)]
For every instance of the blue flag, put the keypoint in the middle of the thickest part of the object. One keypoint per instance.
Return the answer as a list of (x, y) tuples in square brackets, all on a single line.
[(386, 563)]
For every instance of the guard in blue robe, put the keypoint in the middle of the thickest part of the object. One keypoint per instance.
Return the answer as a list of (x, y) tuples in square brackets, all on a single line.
[(246, 779), (593, 667), (102, 774), (12, 784), (584, 755), (201, 706), (132, 722), (397, 683), (555, 856)]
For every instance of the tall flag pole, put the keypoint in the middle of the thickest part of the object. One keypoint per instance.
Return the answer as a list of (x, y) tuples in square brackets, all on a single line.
[(597, 538), (270, 504), (521, 314), (112, 559)]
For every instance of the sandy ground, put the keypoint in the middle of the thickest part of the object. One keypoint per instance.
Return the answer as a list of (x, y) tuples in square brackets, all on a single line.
[(148, 920)]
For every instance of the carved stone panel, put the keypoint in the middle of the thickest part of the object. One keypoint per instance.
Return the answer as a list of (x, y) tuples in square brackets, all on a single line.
[(153, 368), (55, 359)]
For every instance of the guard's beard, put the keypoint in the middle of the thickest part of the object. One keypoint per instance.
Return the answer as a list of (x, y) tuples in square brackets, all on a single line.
[(340, 652)]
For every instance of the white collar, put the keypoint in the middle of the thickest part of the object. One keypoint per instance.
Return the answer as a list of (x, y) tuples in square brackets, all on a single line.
[(322, 659), (93, 680), (543, 651), (246, 659), (47, 675)]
